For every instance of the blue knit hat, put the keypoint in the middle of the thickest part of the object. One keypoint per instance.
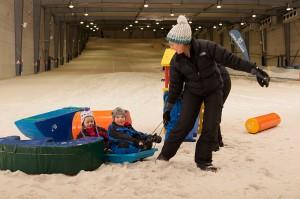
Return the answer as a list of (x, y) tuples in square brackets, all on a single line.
[(181, 33)]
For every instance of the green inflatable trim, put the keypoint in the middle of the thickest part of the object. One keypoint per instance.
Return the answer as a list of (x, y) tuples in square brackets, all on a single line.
[(66, 159)]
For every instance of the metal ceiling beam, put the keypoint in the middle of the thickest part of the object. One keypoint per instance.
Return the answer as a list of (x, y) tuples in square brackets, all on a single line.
[(178, 2), (117, 11)]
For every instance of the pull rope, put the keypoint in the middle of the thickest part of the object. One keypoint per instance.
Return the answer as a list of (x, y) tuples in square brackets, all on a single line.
[(156, 128)]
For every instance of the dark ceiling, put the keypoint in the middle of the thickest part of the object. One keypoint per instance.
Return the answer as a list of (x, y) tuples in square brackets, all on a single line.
[(121, 13)]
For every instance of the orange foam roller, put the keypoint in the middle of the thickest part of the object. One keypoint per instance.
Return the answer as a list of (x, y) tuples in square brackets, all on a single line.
[(103, 118), (263, 122)]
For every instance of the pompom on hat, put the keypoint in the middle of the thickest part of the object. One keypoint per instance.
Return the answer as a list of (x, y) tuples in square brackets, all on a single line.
[(84, 114), (181, 33)]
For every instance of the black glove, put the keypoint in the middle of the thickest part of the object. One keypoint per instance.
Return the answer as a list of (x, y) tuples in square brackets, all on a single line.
[(261, 76)]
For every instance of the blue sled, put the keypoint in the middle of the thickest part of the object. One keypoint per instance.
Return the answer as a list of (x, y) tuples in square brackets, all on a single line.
[(132, 157), (55, 124)]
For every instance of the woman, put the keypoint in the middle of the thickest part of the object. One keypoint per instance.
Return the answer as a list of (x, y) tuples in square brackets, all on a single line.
[(194, 72)]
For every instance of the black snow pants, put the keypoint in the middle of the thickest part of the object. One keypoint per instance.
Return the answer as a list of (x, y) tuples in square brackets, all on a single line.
[(190, 109)]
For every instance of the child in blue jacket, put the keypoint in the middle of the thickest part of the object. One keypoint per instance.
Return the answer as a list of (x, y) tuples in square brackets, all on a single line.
[(124, 139)]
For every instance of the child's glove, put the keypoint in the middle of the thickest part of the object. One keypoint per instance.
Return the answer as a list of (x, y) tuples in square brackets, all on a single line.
[(261, 76)]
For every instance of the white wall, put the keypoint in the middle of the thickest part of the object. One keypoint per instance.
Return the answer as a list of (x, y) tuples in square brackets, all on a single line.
[(7, 40)]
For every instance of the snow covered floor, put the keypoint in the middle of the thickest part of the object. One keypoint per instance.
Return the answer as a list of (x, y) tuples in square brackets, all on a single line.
[(127, 74)]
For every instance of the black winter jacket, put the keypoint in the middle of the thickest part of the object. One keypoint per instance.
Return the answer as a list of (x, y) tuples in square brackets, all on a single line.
[(199, 73)]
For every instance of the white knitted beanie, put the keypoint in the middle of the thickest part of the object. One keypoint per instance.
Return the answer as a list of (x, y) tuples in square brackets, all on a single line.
[(84, 114), (181, 33)]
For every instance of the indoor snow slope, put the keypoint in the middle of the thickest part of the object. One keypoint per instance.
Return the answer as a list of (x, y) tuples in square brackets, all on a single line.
[(127, 73)]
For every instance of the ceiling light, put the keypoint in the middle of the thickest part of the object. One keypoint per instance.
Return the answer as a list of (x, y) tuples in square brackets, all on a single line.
[(91, 23), (162, 28), (220, 24), (142, 28), (81, 22), (253, 15), (87, 26), (126, 28), (148, 26), (86, 14), (219, 4), (146, 5), (136, 21), (288, 8), (214, 27), (200, 27), (242, 23), (154, 30), (130, 25), (190, 22), (171, 13), (196, 29), (157, 23), (71, 5)]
